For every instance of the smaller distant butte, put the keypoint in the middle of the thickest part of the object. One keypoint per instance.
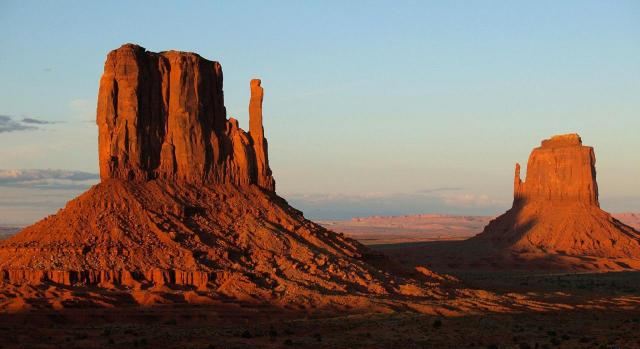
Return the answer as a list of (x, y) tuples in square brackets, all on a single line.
[(556, 211)]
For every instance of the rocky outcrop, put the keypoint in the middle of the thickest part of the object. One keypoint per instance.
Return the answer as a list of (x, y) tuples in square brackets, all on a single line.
[(196, 279), (162, 115), (187, 202), (560, 171), (256, 131), (556, 209)]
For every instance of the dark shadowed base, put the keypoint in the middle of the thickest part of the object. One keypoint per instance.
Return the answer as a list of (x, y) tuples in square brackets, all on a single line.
[(231, 326)]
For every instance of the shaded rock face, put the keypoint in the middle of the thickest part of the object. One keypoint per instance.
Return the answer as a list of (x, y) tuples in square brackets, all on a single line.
[(560, 171), (162, 115), (556, 209)]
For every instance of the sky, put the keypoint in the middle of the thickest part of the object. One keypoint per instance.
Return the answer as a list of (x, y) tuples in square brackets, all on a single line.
[(371, 107)]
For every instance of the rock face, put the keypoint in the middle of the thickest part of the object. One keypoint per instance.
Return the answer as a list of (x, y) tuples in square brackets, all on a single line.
[(256, 131), (162, 115), (560, 171), (187, 201), (556, 209)]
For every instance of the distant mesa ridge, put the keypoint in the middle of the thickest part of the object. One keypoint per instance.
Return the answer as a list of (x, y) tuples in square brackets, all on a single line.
[(162, 115)]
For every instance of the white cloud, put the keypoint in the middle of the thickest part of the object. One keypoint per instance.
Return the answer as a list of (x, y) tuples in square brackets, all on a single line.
[(7, 124), (47, 178), (35, 121), (468, 200), (450, 200), (29, 195)]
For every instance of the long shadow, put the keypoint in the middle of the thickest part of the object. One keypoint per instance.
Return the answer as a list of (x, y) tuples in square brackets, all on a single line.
[(231, 326)]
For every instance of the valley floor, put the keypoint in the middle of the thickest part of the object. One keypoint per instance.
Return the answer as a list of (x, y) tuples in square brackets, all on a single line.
[(517, 309), (556, 310)]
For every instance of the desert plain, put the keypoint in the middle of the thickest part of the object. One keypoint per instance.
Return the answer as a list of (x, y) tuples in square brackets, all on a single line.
[(512, 309)]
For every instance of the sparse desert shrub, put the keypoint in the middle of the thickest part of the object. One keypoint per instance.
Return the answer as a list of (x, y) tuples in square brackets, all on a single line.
[(318, 337), (272, 332), (82, 336), (171, 322), (246, 334)]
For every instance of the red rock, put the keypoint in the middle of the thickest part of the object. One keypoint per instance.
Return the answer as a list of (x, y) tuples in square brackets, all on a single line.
[(560, 171), (162, 115), (256, 131), (556, 209), (187, 200)]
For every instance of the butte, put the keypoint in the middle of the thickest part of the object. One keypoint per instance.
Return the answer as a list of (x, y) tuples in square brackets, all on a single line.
[(555, 222), (187, 206), (556, 213)]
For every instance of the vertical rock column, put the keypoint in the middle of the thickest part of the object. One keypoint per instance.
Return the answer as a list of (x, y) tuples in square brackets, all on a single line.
[(517, 186), (131, 113), (256, 130)]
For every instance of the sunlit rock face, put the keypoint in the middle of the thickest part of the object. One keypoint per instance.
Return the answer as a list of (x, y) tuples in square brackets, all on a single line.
[(560, 171), (556, 209), (162, 115), (187, 201)]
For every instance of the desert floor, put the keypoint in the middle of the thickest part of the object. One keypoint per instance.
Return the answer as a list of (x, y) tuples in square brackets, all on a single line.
[(557, 310), (548, 310), (593, 311)]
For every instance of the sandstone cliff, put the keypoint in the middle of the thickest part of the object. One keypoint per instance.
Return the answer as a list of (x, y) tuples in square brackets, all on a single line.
[(187, 201), (560, 171), (556, 209), (162, 115)]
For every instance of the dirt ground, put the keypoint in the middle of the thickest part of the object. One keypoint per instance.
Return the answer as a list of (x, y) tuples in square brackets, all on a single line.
[(583, 311), (206, 328), (516, 309)]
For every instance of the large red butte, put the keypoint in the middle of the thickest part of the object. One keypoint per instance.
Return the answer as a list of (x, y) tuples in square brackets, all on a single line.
[(162, 115), (187, 200)]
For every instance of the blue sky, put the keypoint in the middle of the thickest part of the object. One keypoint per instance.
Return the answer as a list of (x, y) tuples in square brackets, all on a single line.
[(371, 107)]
